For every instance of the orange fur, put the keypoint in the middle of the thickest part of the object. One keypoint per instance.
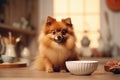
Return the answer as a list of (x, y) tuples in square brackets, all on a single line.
[(56, 45)]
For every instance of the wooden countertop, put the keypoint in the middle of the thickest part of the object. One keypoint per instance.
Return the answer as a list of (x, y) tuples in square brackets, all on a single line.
[(30, 74)]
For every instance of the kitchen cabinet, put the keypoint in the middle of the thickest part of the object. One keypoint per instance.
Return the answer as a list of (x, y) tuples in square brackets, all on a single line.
[(13, 12)]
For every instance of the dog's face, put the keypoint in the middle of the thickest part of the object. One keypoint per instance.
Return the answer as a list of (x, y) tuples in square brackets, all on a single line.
[(58, 31)]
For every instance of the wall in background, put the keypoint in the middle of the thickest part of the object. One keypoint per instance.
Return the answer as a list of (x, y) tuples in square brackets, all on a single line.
[(45, 9), (113, 23)]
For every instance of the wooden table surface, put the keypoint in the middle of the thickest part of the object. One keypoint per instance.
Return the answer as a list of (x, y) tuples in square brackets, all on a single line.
[(30, 74)]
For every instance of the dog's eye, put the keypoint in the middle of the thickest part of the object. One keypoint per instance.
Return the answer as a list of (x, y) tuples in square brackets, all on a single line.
[(63, 32), (53, 32)]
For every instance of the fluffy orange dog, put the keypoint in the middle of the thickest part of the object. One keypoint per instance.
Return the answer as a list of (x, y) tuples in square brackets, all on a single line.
[(56, 45)]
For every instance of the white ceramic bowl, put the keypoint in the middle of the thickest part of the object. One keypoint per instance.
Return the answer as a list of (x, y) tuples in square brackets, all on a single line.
[(7, 59), (81, 67)]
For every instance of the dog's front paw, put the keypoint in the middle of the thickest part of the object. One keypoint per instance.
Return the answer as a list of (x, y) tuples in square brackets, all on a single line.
[(49, 70), (62, 70)]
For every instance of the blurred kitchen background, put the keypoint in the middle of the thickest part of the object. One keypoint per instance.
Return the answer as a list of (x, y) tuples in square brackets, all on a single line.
[(96, 25)]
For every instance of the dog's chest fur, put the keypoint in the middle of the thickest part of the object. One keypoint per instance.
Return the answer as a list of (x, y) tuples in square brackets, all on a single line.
[(57, 55)]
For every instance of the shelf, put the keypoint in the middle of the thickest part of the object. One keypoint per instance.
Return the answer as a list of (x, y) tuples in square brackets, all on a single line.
[(13, 65), (21, 31)]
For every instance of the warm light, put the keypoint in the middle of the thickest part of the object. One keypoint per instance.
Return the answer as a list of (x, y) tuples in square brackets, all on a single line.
[(85, 15)]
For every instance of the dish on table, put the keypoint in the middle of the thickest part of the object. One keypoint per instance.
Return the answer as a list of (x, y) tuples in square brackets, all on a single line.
[(112, 66)]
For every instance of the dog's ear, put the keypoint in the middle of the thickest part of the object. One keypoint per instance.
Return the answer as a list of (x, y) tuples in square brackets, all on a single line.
[(67, 21), (50, 20)]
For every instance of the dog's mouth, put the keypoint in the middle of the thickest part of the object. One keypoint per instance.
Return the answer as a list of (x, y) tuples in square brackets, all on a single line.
[(59, 39)]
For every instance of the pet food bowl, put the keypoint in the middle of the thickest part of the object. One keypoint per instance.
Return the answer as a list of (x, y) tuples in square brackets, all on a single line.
[(81, 67)]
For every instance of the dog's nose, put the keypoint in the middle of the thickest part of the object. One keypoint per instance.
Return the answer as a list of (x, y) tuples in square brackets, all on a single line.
[(59, 37)]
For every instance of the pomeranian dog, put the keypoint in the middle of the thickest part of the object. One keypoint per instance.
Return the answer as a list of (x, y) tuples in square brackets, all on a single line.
[(56, 45)]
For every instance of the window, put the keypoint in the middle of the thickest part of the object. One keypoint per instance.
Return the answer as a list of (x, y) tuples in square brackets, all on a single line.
[(85, 15)]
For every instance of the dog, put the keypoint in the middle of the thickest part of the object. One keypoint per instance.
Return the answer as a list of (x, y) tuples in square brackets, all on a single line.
[(56, 45)]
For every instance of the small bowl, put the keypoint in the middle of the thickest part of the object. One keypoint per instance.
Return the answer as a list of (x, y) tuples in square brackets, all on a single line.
[(81, 67), (7, 59)]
